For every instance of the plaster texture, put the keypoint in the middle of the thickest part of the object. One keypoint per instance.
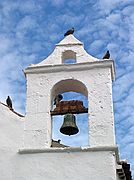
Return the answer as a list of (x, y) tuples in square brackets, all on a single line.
[(25, 141), (11, 138), (48, 164), (43, 86), (88, 76), (67, 165), (75, 50)]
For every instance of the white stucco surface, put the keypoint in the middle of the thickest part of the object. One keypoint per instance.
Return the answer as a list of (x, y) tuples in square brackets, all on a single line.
[(95, 79), (69, 43), (12, 129), (25, 152), (77, 166), (49, 165)]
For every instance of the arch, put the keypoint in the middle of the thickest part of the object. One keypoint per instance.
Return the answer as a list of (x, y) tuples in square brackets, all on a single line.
[(69, 55), (68, 85), (61, 87)]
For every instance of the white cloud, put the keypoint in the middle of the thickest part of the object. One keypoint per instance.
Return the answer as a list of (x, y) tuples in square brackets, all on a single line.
[(108, 5), (29, 30), (57, 2), (5, 44), (96, 45)]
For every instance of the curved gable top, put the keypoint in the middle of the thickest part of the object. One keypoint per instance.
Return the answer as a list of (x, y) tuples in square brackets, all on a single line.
[(68, 44), (69, 40)]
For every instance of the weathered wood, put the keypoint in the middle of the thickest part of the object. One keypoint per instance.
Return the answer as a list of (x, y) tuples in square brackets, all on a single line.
[(73, 106)]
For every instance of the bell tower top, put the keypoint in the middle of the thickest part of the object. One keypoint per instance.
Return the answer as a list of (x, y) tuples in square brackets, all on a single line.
[(68, 48), (89, 76), (69, 40), (47, 82)]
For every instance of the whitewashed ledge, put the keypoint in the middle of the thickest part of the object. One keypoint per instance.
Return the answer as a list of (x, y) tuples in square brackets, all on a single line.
[(68, 149)]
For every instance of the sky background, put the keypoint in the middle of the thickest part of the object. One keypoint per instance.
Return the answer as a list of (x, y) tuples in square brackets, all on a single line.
[(29, 30)]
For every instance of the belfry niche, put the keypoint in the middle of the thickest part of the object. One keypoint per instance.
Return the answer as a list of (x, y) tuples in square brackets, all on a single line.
[(69, 69), (72, 111)]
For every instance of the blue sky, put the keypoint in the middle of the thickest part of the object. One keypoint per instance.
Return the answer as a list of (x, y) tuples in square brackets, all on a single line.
[(30, 29)]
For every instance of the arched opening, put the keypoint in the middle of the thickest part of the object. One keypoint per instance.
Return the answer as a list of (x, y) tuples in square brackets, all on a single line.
[(69, 57), (71, 90), (68, 85)]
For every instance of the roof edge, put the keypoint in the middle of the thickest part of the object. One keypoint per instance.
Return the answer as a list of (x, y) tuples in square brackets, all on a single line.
[(12, 110), (70, 67)]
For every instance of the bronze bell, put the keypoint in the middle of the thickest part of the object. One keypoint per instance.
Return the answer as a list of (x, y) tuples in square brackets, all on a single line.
[(69, 125)]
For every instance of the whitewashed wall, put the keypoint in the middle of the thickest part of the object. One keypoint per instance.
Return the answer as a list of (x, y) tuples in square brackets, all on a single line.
[(48, 165), (25, 152), (98, 83)]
